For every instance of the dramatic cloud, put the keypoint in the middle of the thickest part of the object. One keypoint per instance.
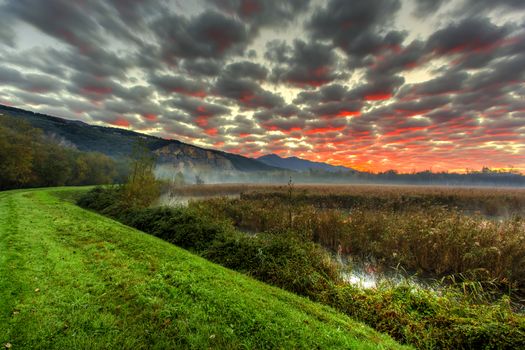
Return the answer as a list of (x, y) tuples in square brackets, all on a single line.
[(260, 13), (427, 7), (180, 85), (208, 35), (306, 64), (356, 26), (470, 35), (247, 93), (370, 84)]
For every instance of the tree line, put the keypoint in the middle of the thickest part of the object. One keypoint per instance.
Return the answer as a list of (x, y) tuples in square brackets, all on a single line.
[(29, 158)]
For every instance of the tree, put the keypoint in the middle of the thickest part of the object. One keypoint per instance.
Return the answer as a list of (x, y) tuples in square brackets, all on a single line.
[(199, 180), (28, 158), (53, 165), (17, 152), (179, 180), (142, 188)]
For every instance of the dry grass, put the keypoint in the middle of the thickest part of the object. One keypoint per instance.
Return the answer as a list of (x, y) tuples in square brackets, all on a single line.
[(343, 189), (485, 200), (432, 231)]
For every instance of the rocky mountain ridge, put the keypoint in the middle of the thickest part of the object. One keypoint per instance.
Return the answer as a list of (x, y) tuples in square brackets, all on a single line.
[(118, 143)]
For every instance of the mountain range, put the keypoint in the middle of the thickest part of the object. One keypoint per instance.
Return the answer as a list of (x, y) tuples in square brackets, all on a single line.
[(118, 143), (298, 164)]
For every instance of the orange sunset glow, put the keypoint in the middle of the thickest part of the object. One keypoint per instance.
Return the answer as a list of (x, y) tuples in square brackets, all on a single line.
[(409, 85)]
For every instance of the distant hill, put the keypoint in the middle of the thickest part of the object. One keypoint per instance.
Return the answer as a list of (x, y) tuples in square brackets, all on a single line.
[(298, 164), (118, 143)]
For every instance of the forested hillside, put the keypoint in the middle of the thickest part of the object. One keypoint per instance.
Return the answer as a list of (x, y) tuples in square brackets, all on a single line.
[(30, 158), (118, 143)]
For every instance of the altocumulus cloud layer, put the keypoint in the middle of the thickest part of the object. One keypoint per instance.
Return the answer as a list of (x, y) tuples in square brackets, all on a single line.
[(370, 84)]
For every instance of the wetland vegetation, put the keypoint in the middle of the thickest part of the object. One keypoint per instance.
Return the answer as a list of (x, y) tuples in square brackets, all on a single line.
[(469, 243)]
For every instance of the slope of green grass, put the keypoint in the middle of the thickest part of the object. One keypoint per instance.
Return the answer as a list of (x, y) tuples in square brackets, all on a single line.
[(72, 279)]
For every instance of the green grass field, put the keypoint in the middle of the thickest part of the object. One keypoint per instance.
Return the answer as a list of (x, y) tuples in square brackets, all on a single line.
[(72, 279)]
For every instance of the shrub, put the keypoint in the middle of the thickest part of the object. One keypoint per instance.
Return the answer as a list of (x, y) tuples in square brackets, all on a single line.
[(100, 199), (278, 259), (179, 226), (428, 321)]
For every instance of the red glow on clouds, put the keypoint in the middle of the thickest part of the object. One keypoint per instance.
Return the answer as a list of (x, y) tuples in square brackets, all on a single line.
[(250, 7), (321, 72), (329, 126), (408, 113), (476, 45), (121, 121), (97, 90), (198, 93), (282, 129), (221, 40), (202, 121), (404, 130), (346, 113), (150, 117), (212, 131), (378, 97), (324, 130), (246, 97), (411, 65)]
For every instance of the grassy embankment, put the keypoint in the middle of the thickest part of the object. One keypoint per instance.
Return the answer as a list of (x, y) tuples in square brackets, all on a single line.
[(465, 315), (70, 278)]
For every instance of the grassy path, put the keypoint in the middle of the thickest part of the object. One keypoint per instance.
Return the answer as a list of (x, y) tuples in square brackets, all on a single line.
[(71, 279)]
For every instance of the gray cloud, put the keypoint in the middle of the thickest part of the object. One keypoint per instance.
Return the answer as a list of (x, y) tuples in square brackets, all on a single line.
[(354, 26), (468, 35), (260, 13), (35, 83), (178, 84), (196, 107), (209, 35), (62, 19), (246, 69), (327, 93), (204, 67), (336, 74), (247, 93), (477, 7), (306, 64), (425, 8)]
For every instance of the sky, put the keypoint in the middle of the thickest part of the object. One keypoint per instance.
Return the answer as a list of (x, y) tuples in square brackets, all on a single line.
[(410, 85)]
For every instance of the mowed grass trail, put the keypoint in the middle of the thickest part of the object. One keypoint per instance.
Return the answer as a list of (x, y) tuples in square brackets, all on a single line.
[(72, 279)]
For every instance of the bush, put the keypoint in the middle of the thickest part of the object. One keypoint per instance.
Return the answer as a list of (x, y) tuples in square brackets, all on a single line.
[(281, 259), (278, 259), (104, 200), (422, 318), (179, 226)]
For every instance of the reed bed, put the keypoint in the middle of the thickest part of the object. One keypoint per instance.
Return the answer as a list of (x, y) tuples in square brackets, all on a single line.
[(431, 232)]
